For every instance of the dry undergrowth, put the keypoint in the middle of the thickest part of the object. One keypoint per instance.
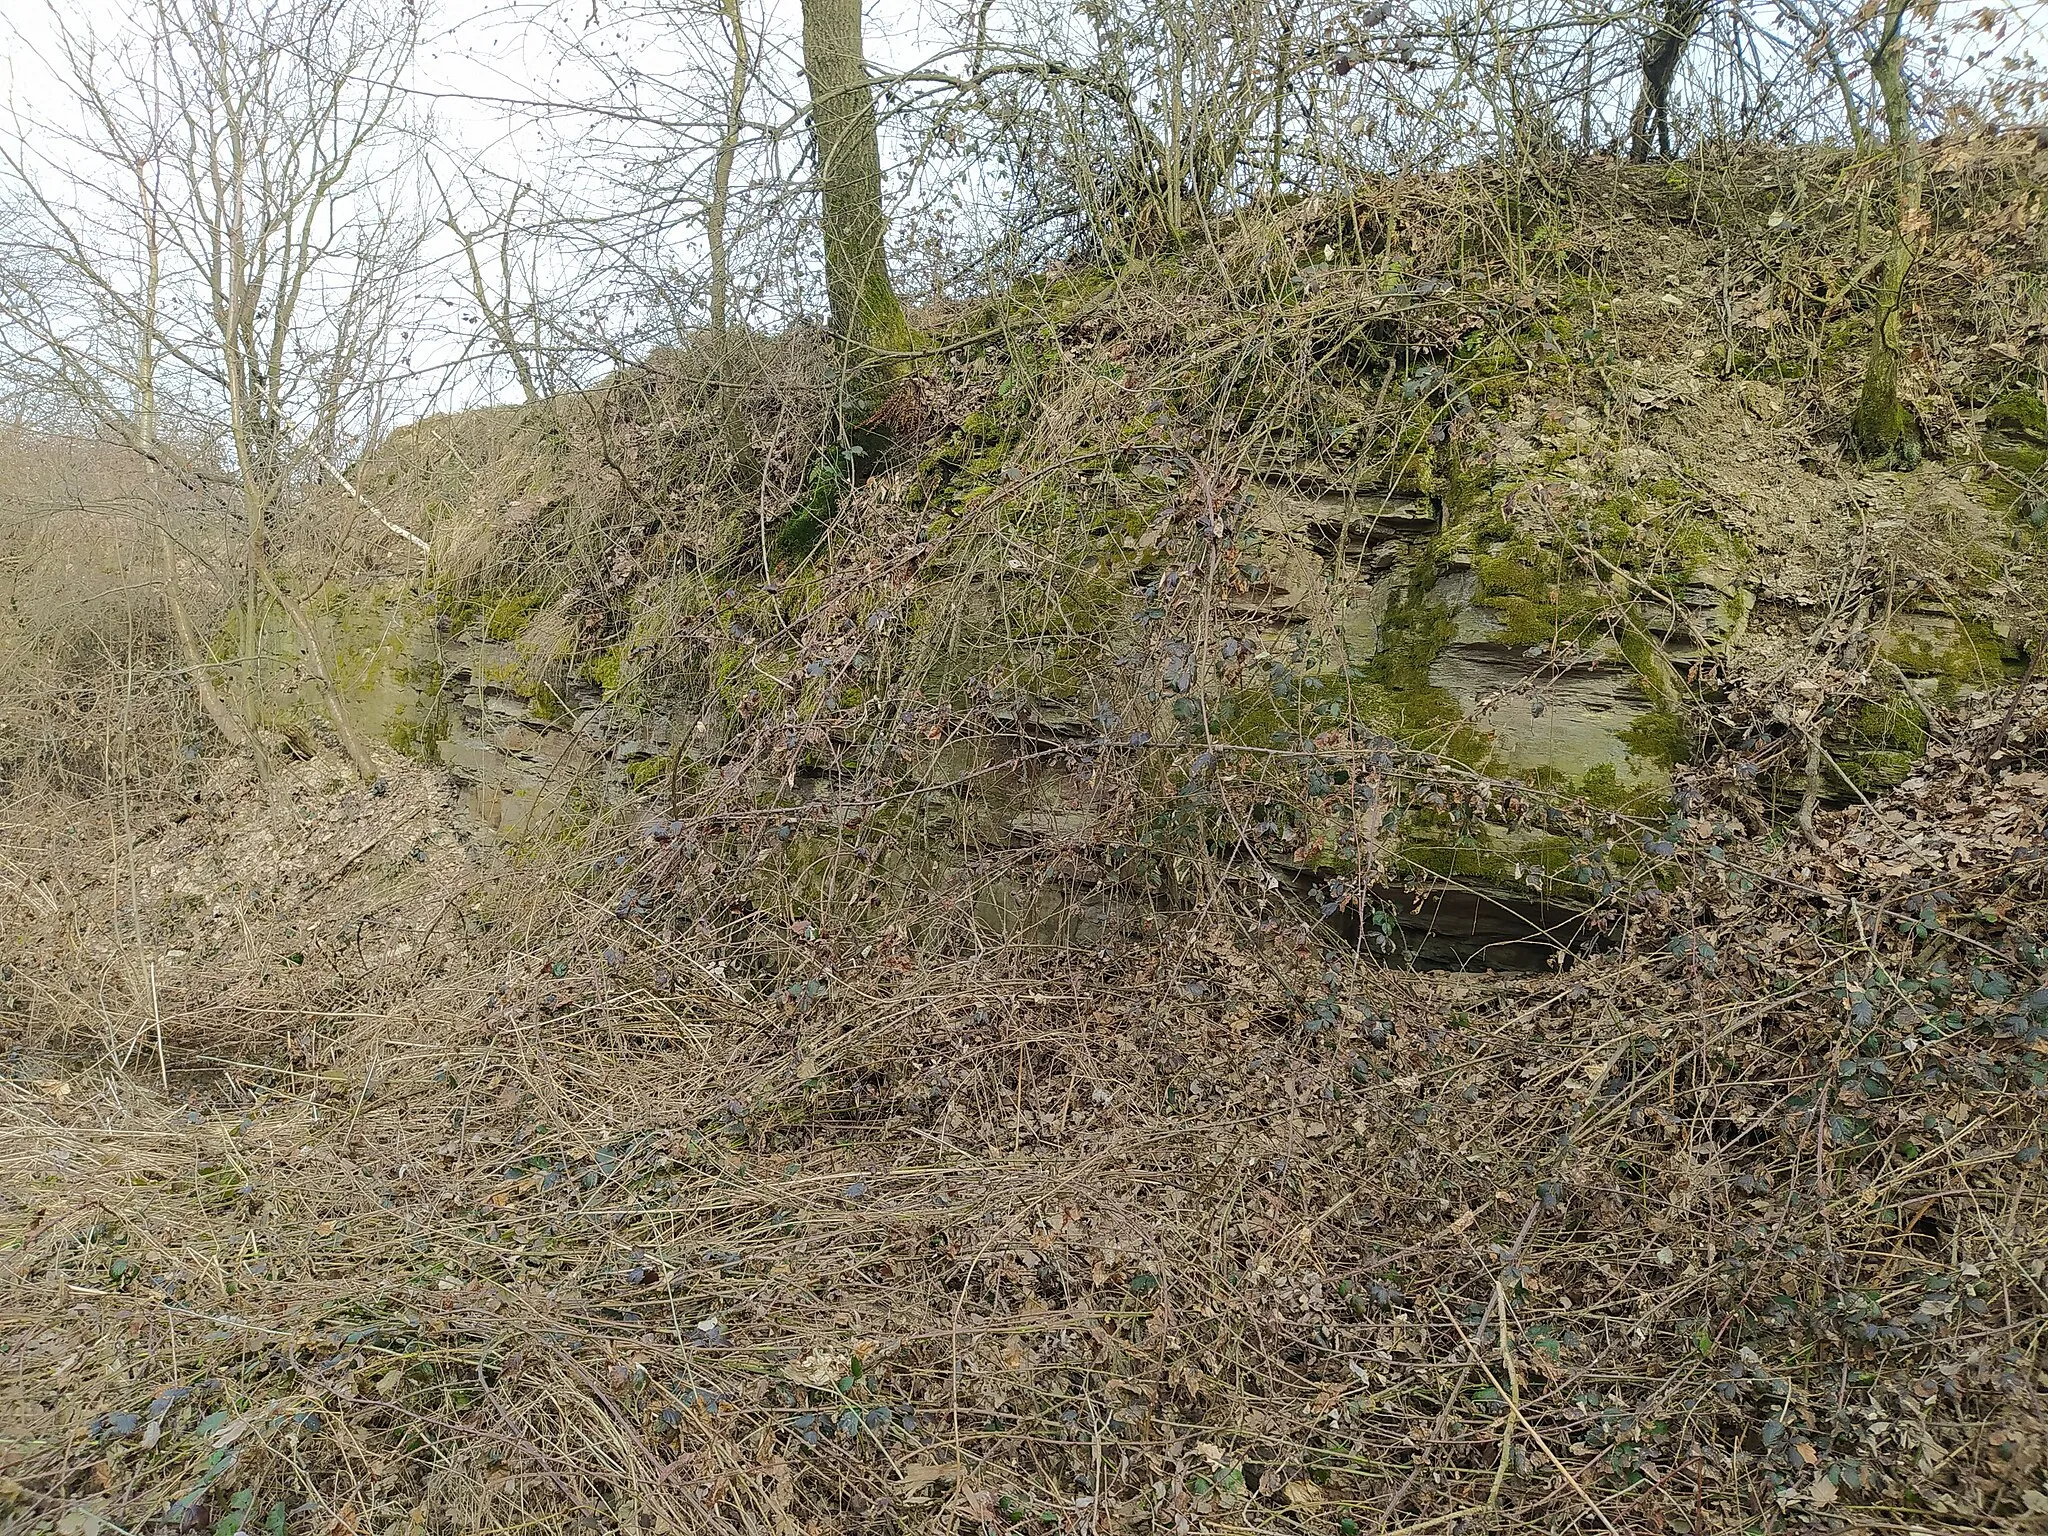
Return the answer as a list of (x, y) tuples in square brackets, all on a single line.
[(1739, 1228), (680, 1175)]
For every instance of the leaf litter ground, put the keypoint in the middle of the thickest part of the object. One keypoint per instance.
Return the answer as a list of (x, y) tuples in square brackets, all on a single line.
[(557, 1223)]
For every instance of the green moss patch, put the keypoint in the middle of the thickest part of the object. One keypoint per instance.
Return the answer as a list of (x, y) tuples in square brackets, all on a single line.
[(1957, 652), (506, 615), (1661, 737), (607, 669), (2019, 411)]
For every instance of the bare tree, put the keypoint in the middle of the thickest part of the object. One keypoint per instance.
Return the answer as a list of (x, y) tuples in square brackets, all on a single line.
[(1882, 426), (672, 195), (491, 251), (867, 316), (1670, 35), (718, 212), (213, 259)]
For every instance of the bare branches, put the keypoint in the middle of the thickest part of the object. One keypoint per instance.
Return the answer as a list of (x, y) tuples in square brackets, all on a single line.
[(213, 258)]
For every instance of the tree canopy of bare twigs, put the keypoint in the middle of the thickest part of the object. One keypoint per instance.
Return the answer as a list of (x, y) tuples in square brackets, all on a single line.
[(213, 251)]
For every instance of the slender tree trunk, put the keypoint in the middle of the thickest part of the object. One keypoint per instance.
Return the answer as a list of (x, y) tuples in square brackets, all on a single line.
[(497, 314), (1883, 428), (1662, 54), (233, 315), (248, 672), (196, 660), (867, 317), (1586, 91), (1852, 115), (1282, 79), (529, 385), (146, 427), (719, 213), (337, 711)]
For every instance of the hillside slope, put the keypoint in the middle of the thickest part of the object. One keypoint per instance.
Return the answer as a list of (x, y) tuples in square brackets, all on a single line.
[(869, 993)]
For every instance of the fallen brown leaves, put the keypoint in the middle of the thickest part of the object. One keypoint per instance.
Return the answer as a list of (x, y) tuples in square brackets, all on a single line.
[(1738, 1227)]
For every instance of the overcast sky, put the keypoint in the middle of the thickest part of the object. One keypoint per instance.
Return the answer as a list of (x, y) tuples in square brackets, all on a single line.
[(482, 59), (487, 67)]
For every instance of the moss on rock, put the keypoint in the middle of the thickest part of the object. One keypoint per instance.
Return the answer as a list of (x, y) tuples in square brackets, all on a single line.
[(2019, 411), (1955, 652), (1661, 737)]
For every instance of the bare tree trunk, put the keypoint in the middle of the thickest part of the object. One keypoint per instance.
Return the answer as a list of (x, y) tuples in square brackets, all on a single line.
[(1679, 24), (1822, 31), (721, 170), (196, 660), (1882, 427), (249, 673), (337, 711), (146, 426), (1283, 77), (497, 313), (867, 317), (1586, 94), (717, 221)]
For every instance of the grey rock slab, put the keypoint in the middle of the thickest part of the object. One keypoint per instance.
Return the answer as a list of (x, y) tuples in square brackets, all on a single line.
[(1581, 717)]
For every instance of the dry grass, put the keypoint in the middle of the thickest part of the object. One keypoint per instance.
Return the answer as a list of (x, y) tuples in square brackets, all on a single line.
[(939, 1108), (703, 1224), (86, 698)]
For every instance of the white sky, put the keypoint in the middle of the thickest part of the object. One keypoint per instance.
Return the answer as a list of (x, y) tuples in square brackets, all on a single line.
[(478, 50)]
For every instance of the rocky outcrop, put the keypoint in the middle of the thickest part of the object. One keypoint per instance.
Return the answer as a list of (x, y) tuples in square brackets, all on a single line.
[(1547, 587), (1542, 610)]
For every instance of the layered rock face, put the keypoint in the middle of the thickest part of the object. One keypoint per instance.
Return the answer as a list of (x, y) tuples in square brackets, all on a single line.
[(1413, 598), (1554, 601)]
